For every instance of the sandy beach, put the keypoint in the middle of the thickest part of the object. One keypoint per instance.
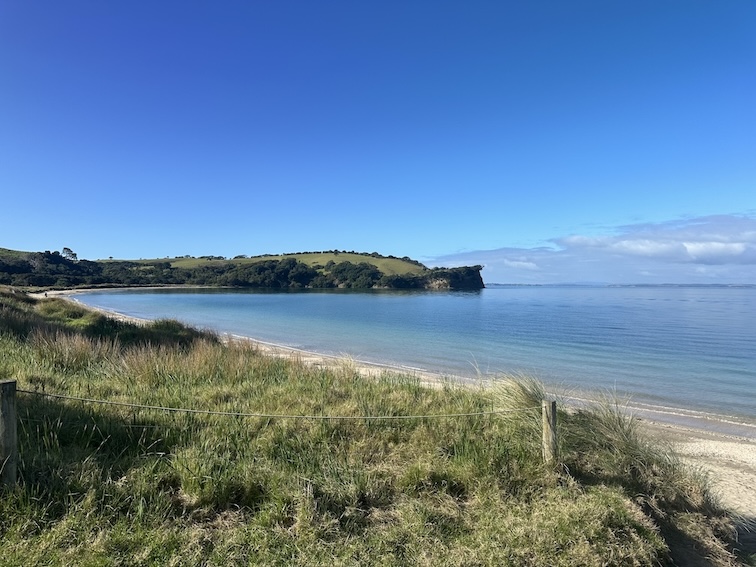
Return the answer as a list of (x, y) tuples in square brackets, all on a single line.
[(728, 461)]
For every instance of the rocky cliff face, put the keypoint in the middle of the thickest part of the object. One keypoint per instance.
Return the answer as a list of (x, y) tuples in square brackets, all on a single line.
[(463, 278)]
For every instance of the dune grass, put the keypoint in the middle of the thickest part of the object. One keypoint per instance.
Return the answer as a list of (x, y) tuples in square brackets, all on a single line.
[(113, 485)]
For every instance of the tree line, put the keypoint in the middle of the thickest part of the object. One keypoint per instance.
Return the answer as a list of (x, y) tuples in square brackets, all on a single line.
[(56, 270)]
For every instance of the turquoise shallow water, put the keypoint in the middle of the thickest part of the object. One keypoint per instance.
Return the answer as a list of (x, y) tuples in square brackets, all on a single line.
[(686, 354)]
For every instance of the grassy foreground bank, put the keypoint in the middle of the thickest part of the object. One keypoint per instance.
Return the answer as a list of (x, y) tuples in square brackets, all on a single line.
[(116, 485)]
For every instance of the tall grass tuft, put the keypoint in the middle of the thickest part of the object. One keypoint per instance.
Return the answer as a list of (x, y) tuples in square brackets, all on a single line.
[(605, 445), (71, 353)]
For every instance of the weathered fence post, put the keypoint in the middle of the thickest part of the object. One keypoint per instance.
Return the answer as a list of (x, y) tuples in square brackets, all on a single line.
[(8, 440), (549, 416)]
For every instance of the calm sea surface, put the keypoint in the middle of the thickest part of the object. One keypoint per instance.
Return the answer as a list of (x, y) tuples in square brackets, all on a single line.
[(685, 354)]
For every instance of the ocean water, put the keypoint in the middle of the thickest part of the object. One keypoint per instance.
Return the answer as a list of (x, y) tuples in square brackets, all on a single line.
[(674, 353)]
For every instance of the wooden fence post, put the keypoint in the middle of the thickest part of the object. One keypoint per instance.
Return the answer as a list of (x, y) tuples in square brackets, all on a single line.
[(549, 416), (8, 440)]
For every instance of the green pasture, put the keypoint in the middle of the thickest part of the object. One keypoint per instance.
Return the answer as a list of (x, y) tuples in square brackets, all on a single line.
[(388, 266)]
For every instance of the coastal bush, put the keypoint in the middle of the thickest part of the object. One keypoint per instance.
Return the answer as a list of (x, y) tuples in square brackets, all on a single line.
[(447, 484), (285, 271)]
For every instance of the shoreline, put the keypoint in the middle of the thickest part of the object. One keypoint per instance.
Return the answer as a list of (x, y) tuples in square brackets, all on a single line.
[(725, 457)]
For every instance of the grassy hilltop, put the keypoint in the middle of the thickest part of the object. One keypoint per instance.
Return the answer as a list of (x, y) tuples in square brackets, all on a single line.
[(410, 474), (387, 265), (317, 270)]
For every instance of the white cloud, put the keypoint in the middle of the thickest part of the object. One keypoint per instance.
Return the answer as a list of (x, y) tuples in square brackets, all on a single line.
[(520, 264), (705, 249), (647, 247), (719, 239), (715, 250), (577, 240)]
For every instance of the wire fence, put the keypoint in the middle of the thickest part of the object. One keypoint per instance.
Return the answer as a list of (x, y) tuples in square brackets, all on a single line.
[(9, 441), (274, 415)]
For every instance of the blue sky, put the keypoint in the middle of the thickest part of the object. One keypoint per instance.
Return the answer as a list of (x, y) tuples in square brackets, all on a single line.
[(550, 141)]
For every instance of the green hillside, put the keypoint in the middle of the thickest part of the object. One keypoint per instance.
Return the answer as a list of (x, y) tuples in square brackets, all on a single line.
[(311, 270), (388, 265), (7, 254)]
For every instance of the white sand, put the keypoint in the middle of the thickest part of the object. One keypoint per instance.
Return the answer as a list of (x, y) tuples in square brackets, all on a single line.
[(728, 462)]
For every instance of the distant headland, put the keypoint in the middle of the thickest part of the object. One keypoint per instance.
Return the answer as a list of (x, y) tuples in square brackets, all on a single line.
[(301, 270)]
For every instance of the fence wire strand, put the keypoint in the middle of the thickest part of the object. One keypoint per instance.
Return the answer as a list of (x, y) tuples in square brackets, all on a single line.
[(273, 416)]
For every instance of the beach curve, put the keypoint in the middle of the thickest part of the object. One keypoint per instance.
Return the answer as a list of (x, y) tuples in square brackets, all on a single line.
[(727, 461)]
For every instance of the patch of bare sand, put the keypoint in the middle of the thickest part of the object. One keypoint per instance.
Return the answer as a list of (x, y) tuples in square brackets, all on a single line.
[(728, 462)]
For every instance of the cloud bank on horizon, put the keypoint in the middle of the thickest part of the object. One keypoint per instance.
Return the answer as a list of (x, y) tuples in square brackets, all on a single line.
[(717, 249)]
